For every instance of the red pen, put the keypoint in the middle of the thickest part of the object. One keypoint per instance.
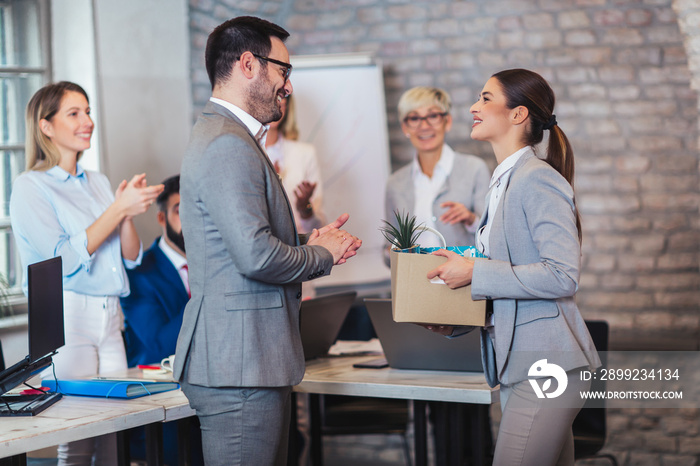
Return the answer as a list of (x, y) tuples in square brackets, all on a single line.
[(146, 366), (34, 391)]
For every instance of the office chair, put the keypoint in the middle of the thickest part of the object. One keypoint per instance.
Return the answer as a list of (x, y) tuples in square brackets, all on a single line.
[(589, 426)]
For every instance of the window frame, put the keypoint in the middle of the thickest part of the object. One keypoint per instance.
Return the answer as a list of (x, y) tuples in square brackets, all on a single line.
[(14, 295)]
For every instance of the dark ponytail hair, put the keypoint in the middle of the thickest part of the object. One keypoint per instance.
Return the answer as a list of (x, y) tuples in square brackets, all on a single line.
[(530, 90)]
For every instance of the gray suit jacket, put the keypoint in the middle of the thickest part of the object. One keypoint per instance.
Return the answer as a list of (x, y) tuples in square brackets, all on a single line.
[(467, 183), (241, 326), (536, 218)]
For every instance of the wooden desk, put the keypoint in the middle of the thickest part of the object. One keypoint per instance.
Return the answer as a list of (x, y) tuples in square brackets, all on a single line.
[(174, 403), (72, 418), (336, 376), (75, 418), (175, 407)]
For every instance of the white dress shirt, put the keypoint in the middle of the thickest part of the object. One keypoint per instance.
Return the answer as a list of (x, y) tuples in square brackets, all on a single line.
[(426, 189), (256, 128), (178, 261)]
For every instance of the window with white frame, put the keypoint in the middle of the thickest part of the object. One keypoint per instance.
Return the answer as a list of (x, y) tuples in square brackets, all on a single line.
[(24, 68)]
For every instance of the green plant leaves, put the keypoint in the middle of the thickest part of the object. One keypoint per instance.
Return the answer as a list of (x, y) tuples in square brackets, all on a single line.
[(406, 234)]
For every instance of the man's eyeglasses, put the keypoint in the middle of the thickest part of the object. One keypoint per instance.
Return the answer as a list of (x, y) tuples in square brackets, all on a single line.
[(286, 66), (433, 119)]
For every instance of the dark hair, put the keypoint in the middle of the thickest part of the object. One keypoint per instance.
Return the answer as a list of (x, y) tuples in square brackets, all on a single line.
[(40, 152), (528, 89), (172, 186), (234, 37)]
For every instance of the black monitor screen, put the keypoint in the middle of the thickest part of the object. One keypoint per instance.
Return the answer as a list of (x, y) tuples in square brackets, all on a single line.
[(45, 280)]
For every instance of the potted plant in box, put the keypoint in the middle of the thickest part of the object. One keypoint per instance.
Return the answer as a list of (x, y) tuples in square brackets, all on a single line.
[(404, 234)]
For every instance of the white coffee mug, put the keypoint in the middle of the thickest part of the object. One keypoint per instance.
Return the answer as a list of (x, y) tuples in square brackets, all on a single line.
[(167, 363)]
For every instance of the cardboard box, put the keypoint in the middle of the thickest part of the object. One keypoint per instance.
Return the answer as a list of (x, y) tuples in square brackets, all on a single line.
[(415, 299)]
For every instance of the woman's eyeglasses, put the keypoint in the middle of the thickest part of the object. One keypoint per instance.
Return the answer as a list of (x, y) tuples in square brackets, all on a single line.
[(433, 119)]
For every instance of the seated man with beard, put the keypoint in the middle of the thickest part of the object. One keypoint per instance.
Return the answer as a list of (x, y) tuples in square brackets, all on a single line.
[(159, 288), (153, 312)]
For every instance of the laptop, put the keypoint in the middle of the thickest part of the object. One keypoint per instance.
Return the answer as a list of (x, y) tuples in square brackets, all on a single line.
[(410, 346), (46, 335), (321, 319)]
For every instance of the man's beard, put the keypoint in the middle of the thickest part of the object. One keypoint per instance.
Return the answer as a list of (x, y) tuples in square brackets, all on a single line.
[(176, 238), (263, 107)]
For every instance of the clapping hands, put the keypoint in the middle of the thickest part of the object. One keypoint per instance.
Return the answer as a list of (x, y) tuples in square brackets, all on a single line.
[(303, 193), (135, 196), (341, 244)]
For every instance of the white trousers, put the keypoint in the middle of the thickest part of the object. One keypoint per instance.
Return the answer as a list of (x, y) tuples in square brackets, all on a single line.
[(94, 345)]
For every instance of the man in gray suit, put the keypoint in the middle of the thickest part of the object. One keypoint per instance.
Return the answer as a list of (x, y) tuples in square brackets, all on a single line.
[(239, 350)]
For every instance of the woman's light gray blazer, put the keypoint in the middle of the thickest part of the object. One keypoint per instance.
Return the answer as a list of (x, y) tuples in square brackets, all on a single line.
[(535, 221)]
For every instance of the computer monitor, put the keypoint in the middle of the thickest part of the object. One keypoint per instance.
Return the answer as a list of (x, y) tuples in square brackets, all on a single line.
[(46, 333)]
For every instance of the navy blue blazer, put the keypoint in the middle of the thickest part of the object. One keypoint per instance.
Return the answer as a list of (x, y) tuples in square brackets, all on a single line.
[(153, 311)]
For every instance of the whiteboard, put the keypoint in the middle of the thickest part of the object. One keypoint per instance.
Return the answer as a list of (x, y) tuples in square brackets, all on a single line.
[(341, 111)]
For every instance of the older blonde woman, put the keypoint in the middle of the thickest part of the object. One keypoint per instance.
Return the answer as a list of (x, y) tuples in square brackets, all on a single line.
[(445, 190)]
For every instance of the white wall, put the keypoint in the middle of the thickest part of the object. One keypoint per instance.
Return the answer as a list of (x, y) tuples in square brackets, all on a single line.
[(73, 59), (143, 69), (133, 58)]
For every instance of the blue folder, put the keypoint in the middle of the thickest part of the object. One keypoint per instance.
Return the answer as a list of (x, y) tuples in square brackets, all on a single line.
[(109, 388)]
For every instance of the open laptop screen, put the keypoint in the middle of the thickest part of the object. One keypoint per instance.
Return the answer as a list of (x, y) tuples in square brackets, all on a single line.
[(321, 319), (45, 300), (410, 346)]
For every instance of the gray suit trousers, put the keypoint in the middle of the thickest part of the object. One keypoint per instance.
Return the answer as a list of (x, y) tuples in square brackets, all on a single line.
[(242, 426)]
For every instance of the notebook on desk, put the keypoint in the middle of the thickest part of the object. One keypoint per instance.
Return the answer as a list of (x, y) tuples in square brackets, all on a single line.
[(409, 346), (321, 319), (109, 388)]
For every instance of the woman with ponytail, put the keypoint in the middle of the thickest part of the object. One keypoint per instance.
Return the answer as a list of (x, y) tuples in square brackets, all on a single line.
[(535, 342)]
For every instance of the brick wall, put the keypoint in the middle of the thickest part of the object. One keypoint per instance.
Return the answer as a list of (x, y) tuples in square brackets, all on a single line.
[(622, 78), (626, 98)]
